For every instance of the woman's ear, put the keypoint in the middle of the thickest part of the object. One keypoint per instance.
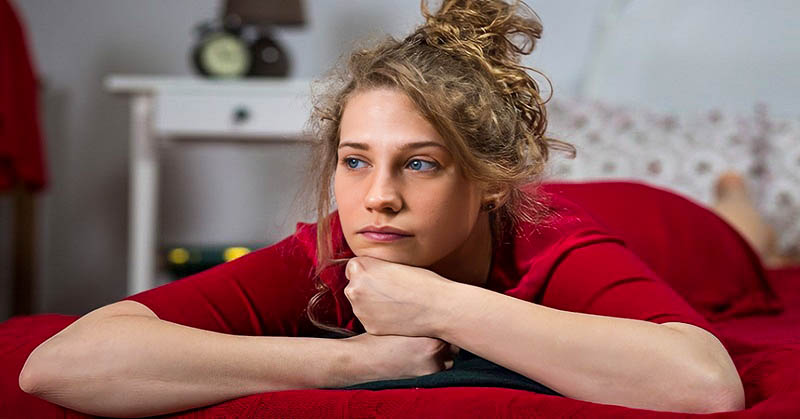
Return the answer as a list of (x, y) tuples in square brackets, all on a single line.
[(493, 198)]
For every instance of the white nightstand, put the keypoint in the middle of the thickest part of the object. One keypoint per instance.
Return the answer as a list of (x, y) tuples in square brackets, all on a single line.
[(165, 108)]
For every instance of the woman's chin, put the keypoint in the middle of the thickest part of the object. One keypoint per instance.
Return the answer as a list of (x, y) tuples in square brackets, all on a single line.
[(389, 255)]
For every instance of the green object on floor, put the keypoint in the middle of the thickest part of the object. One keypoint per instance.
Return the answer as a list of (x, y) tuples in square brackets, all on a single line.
[(184, 260)]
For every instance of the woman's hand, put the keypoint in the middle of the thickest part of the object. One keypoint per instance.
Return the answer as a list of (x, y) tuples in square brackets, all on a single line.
[(395, 357), (394, 299)]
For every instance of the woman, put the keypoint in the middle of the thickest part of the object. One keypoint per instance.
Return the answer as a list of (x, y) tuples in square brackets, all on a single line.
[(435, 144)]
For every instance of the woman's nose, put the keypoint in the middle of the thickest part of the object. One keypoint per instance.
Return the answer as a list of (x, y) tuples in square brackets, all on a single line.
[(383, 194)]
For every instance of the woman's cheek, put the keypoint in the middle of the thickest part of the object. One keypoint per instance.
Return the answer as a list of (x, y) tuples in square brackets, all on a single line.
[(345, 194)]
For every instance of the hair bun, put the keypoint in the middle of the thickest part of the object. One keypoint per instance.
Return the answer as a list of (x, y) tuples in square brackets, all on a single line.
[(482, 29), (493, 34)]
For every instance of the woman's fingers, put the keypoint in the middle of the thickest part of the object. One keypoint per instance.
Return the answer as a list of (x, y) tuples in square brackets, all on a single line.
[(454, 350), (446, 355)]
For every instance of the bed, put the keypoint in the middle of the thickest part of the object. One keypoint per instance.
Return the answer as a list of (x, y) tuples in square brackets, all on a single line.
[(754, 311)]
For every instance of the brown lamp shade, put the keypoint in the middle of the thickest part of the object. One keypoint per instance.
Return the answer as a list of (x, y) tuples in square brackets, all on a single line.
[(267, 12)]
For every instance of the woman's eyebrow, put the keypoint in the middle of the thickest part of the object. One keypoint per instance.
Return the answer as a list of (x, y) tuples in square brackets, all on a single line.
[(406, 146)]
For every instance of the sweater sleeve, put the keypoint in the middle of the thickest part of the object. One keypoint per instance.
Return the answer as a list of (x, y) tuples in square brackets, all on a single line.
[(263, 293), (608, 279)]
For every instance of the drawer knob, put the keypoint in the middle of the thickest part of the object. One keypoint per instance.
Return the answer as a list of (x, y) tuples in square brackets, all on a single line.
[(241, 114)]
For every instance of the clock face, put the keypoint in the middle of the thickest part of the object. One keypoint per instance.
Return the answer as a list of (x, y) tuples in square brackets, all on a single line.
[(225, 55)]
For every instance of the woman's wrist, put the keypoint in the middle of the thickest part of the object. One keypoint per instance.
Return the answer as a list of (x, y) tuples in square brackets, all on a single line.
[(446, 307), (347, 363)]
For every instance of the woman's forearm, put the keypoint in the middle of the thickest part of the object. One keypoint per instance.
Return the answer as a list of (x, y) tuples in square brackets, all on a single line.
[(602, 359), (141, 366)]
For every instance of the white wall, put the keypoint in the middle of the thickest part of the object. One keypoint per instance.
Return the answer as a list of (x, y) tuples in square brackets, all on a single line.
[(685, 55), (77, 43)]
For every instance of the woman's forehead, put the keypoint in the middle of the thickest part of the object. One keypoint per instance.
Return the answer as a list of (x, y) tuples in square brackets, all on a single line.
[(381, 118)]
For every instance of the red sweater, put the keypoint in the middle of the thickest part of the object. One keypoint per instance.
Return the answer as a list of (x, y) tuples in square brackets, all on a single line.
[(570, 262)]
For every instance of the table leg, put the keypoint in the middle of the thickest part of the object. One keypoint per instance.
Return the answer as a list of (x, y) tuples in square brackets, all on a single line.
[(143, 206)]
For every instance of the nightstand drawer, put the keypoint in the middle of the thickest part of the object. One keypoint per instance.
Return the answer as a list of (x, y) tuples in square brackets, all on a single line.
[(279, 115)]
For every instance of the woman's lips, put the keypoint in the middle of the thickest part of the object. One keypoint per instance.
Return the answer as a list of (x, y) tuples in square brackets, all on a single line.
[(383, 237)]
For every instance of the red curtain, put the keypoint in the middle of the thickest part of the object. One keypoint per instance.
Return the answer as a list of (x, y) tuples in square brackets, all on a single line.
[(22, 157)]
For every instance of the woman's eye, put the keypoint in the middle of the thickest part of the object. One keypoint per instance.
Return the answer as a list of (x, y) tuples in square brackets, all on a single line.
[(352, 162), (421, 165)]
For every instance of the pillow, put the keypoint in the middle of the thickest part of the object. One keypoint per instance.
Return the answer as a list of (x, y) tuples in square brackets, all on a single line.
[(685, 152), (695, 251), (780, 198)]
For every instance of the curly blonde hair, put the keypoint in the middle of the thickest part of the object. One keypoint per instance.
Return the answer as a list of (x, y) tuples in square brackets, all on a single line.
[(461, 68)]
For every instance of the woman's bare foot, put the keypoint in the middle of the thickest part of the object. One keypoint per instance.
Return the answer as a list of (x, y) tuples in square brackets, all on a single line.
[(734, 204), (731, 185)]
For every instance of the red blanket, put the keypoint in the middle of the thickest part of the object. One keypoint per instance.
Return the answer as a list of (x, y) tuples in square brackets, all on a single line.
[(765, 348)]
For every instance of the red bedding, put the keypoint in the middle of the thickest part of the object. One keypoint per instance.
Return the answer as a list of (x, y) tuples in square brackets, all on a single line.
[(765, 348)]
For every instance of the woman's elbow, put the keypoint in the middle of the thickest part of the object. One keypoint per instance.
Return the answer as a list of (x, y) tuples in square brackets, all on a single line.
[(714, 384), (42, 368), (30, 376), (729, 395), (724, 393), (26, 382)]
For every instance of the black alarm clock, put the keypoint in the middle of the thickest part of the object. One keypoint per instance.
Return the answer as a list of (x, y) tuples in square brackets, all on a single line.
[(221, 52), (228, 49)]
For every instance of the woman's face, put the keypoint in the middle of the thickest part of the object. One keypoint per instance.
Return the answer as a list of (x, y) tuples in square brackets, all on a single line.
[(395, 171)]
